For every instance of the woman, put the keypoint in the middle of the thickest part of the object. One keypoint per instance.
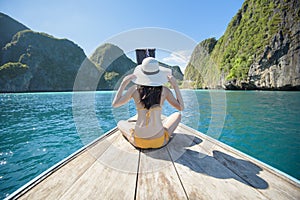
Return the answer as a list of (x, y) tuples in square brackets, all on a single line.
[(149, 95)]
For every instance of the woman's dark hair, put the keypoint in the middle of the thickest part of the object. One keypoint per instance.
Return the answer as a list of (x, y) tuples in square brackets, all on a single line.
[(149, 95)]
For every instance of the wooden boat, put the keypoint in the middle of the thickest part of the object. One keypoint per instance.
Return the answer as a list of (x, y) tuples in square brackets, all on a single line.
[(191, 166)]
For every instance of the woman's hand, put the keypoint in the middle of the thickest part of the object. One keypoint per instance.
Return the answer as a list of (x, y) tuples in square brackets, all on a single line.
[(172, 80)]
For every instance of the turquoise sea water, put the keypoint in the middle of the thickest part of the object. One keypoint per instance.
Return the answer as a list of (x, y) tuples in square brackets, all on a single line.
[(37, 130)]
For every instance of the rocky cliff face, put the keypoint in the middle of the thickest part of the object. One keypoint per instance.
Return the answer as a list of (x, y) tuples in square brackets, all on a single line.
[(9, 27), (48, 64), (115, 63), (278, 67), (199, 72), (260, 47), (35, 62), (176, 71)]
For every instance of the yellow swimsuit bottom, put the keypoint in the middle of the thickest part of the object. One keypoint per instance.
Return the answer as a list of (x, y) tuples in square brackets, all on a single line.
[(150, 143)]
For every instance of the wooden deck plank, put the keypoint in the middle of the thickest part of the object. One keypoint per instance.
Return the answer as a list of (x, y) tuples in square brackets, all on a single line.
[(269, 183), (56, 184), (112, 176), (157, 178), (266, 180), (203, 176)]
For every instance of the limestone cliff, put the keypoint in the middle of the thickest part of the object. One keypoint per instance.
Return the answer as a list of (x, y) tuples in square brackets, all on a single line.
[(278, 67), (176, 71), (9, 27), (198, 69), (115, 63), (39, 62), (260, 48)]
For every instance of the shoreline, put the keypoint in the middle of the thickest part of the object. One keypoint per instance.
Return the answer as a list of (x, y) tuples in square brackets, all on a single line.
[(295, 89)]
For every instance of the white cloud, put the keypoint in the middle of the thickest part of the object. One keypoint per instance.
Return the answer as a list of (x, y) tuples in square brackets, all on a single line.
[(180, 58)]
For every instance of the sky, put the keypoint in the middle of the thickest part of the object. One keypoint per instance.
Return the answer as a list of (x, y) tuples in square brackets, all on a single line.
[(90, 23)]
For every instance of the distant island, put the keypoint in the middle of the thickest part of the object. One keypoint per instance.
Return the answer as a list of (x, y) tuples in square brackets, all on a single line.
[(260, 50)]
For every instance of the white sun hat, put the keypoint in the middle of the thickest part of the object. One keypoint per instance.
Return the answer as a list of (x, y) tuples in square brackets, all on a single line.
[(150, 73)]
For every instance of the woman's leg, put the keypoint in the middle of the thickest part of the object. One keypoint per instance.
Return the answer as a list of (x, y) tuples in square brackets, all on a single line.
[(125, 128), (172, 122)]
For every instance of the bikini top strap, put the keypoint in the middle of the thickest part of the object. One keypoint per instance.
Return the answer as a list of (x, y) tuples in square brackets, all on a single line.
[(148, 114)]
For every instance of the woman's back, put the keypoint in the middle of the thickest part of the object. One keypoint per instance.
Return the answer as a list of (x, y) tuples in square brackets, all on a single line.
[(149, 122)]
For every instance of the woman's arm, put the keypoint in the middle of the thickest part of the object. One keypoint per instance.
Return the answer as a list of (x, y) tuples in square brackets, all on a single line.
[(178, 102), (121, 99)]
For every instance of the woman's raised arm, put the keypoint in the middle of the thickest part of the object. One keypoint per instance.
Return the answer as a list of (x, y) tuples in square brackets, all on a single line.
[(178, 102), (121, 99)]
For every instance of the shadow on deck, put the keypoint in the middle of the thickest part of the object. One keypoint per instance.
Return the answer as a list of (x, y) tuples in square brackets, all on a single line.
[(218, 165)]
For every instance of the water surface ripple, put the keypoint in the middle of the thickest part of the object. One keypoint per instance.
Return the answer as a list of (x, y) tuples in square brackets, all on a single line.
[(37, 130)]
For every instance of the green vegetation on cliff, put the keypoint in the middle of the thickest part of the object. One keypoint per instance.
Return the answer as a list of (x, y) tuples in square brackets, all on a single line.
[(11, 70), (114, 61), (34, 61), (246, 36), (197, 70), (258, 25), (9, 27)]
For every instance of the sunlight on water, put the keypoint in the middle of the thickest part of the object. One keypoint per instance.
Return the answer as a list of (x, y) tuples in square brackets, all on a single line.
[(37, 130)]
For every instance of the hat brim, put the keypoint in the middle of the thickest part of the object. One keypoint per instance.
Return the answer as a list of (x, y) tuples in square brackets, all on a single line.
[(157, 79)]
